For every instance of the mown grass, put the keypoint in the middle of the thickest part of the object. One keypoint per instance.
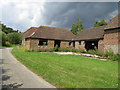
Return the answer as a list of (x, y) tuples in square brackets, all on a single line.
[(70, 71), (4, 47)]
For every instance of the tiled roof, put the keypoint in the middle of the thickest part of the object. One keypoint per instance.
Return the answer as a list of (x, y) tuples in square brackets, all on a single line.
[(92, 33), (45, 32), (29, 31), (114, 22)]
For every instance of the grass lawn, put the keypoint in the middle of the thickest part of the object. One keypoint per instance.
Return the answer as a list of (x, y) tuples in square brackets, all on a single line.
[(3, 47), (70, 71), (6, 46)]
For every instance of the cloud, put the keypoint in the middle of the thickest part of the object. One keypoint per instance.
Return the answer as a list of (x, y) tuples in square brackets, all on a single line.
[(65, 14), (23, 14)]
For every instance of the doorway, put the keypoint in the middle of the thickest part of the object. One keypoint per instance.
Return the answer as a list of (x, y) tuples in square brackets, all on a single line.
[(91, 45), (57, 43)]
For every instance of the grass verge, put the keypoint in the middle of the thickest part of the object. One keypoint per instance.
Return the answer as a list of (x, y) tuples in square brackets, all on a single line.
[(70, 71)]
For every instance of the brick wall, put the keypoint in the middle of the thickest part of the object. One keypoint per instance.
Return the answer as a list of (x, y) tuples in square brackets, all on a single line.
[(33, 44), (112, 40), (119, 41), (26, 43), (64, 44), (101, 45), (80, 46)]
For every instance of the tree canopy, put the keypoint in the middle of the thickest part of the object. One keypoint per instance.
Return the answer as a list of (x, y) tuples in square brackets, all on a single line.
[(9, 36), (74, 29), (15, 38), (3, 38), (77, 27), (100, 23), (6, 29)]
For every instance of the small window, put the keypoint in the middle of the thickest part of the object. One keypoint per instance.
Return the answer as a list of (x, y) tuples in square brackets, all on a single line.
[(43, 42), (79, 42)]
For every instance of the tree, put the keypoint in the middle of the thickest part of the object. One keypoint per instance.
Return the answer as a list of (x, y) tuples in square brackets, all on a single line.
[(15, 38), (74, 30), (77, 27), (9, 36), (6, 29), (100, 23), (3, 38)]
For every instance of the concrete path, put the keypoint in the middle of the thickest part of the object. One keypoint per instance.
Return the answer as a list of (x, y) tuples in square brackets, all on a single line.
[(15, 74)]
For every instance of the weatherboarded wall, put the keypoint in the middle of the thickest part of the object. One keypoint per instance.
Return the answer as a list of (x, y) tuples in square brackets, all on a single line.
[(112, 40)]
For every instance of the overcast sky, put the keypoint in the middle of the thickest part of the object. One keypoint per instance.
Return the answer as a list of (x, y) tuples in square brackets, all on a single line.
[(22, 15)]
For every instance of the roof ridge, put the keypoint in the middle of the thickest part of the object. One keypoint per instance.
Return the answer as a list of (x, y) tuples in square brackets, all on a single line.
[(29, 29), (51, 27)]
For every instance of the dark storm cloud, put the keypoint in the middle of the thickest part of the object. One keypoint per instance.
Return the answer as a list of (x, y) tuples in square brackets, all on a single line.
[(63, 14)]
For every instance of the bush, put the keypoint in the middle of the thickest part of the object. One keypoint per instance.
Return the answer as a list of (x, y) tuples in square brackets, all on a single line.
[(95, 52), (3, 38), (116, 57), (70, 50), (108, 54), (8, 44), (15, 38), (42, 50), (56, 48)]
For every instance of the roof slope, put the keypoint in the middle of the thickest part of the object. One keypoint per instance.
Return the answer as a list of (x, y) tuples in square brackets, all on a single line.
[(92, 33), (114, 22), (29, 31), (51, 33)]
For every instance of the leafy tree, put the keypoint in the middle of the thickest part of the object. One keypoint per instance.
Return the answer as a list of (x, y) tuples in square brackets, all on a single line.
[(15, 38), (6, 29), (100, 23), (77, 27), (3, 38), (9, 36), (74, 30)]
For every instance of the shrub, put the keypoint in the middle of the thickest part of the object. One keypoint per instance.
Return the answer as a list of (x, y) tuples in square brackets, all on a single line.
[(8, 44), (108, 54), (42, 50), (3, 38), (15, 38), (116, 57), (56, 48), (70, 50)]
